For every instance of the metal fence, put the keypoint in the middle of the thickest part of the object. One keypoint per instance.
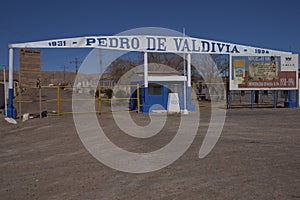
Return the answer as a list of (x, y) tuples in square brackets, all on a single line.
[(261, 98), (208, 92), (57, 100)]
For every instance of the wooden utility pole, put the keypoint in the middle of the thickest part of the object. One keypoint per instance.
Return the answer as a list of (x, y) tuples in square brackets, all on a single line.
[(64, 67), (76, 61)]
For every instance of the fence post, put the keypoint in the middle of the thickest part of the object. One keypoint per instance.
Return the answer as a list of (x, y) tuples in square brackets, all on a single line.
[(138, 97), (252, 98), (230, 99), (58, 100), (40, 100), (297, 96), (275, 98), (19, 99), (17, 103)]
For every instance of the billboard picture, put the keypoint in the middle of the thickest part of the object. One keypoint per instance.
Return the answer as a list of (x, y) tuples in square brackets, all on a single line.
[(264, 72)]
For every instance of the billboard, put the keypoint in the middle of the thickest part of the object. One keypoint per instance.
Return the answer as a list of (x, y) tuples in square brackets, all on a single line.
[(264, 72), (29, 67)]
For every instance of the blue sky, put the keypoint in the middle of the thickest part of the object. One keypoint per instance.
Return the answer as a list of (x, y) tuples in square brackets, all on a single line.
[(269, 24)]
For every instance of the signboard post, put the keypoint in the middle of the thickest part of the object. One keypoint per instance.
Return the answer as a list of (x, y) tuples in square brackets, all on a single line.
[(298, 95)]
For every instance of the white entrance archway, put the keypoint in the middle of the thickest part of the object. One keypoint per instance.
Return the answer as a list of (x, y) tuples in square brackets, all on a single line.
[(142, 43)]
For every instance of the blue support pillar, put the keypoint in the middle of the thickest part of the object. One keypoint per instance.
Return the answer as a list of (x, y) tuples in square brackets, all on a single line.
[(146, 97), (145, 103), (165, 96), (145, 100), (11, 110), (290, 95), (290, 103), (189, 106)]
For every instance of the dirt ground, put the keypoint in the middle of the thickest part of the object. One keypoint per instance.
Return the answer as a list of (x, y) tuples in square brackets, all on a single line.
[(257, 157)]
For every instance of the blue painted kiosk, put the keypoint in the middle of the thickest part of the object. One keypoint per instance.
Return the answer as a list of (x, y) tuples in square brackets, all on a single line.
[(160, 84)]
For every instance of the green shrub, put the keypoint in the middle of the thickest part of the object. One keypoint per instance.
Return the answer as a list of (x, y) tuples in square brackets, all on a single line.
[(108, 93), (97, 93)]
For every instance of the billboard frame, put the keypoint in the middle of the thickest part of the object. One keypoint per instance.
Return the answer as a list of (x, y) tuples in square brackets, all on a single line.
[(237, 85)]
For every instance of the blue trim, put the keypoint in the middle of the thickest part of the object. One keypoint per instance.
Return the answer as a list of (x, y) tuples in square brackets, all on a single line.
[(10, 97), (290, 103), (149, 102), (165, 96), (290, 92), (146, 97), (145, 107), (11, 111)]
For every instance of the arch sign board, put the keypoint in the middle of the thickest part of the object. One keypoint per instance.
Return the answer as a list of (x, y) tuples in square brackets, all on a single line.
[(170, 44), (250, 68)]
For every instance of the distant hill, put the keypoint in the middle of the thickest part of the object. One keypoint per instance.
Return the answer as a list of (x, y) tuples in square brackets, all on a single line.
[(59, 77)]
